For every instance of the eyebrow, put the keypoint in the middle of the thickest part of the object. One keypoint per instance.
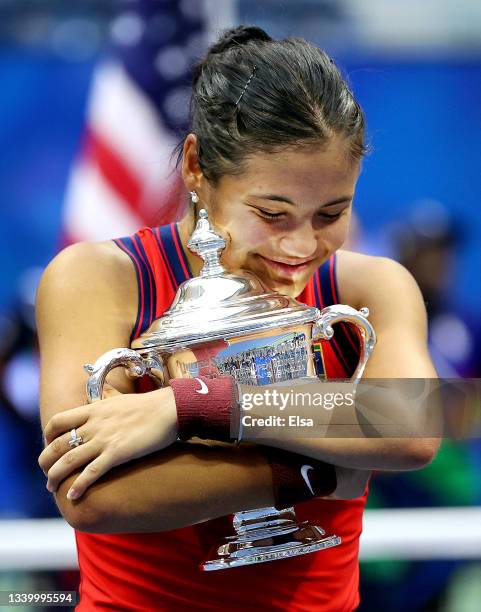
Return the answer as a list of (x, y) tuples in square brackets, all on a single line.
[(280, 198)]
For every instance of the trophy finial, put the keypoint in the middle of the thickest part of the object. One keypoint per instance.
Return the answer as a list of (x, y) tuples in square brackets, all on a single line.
[(207, 244)]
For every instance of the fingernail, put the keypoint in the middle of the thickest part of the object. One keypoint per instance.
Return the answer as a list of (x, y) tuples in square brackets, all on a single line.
[(73, 494)]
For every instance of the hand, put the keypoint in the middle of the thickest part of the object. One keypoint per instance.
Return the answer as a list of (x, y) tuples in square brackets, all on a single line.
[(114, 430)]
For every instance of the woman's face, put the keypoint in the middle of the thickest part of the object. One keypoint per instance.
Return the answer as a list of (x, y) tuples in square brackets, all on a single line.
[(286, 214)]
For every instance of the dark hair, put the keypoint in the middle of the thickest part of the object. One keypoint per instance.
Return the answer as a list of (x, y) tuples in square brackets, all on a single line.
[(252, 93)]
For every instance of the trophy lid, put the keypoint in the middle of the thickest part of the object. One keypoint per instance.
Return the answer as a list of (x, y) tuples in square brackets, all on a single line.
[(219, 304)]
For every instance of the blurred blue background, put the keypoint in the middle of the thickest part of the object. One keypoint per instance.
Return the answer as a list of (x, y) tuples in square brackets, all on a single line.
[(423, 123), (424, 126), (416, 70)]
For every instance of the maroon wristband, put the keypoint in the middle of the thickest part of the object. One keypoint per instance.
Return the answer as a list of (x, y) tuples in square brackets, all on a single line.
[(205, 406), (297, 479)]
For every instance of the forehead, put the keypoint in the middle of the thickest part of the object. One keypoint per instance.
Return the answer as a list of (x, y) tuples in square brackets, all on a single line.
[(302, 173)]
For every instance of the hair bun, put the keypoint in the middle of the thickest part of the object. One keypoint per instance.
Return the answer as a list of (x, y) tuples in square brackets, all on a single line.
[(238, 36)]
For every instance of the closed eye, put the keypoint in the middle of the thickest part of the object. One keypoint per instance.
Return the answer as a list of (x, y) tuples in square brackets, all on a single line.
[(268, 215), (334, 216), (277, 216)]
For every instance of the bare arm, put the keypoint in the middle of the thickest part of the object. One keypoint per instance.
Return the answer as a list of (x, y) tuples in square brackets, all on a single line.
[(180, 486), (85, 307), (86, 304), (398, 315)]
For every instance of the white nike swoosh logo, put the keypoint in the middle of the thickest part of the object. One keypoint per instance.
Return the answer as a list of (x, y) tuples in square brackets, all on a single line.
[(203, 387), (304, 470)]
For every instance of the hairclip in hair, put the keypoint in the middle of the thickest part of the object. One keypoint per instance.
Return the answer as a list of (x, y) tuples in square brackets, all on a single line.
[(246, 86)]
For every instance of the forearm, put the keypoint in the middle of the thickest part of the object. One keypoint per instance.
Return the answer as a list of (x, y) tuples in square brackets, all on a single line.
[(372, 427), (180, 486), (393, 454)]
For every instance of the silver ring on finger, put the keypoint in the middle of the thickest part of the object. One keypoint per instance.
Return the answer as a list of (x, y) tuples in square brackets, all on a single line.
[(75, 440)]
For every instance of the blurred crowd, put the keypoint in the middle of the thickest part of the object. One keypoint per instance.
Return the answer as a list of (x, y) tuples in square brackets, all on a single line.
[(428, 242)]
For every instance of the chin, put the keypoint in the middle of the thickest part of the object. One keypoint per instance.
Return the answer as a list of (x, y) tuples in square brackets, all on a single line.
[(291, 289)]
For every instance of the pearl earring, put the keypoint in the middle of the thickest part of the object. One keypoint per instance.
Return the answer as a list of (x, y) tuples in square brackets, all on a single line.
[(194, 197)]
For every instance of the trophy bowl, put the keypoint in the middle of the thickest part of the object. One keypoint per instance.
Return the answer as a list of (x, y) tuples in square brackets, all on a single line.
[(222, 323)]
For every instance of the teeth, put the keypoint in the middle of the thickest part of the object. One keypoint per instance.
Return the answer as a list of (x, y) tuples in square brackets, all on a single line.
[(281, 263), (287, 264)]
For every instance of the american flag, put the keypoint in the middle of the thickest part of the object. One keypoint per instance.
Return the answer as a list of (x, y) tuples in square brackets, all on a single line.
[(123, 177)]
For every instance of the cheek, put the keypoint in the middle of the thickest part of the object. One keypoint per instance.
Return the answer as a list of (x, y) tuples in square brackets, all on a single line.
[(335, 235), (255, 233), (246, 235), (243, 231)]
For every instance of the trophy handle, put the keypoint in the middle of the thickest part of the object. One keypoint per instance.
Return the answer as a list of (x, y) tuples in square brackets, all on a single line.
[(322, 330), (137, 366)]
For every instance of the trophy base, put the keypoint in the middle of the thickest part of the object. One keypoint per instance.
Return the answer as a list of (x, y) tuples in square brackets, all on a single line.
[(262, 545)]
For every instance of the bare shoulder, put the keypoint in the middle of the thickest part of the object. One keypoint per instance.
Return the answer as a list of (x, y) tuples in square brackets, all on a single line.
[(396, 311), (86, 258), (86, 304), (382, 284), (88, 269)]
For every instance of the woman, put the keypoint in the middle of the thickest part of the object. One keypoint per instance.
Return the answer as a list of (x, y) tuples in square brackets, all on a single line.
[(274, 154)]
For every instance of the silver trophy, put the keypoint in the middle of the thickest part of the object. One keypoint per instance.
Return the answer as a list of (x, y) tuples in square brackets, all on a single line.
[(222, 323)]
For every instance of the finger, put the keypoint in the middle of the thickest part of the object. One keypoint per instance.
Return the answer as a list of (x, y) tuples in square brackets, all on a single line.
[(55, 450), (65, 421), (109, 391), (131, 375), (68, 463), (92, 472)]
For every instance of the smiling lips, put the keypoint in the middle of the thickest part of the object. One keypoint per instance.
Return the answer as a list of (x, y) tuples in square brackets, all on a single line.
[(284, 269)]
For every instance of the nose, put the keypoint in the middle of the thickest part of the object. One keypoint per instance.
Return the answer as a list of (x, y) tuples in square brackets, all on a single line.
[(301, 243)]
